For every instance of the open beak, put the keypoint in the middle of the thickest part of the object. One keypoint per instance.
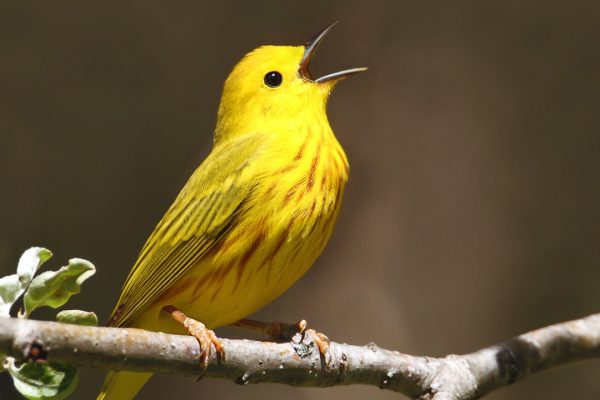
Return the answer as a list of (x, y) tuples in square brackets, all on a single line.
[(311, 48)]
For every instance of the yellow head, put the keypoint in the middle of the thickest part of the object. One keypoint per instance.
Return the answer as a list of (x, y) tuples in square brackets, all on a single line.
[(272, 86)]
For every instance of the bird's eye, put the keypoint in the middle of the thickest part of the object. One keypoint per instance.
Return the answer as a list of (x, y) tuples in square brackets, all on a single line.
[(273, 79)]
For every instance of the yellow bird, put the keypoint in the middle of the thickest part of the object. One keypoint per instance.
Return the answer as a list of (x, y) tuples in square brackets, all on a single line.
[(252, 218)]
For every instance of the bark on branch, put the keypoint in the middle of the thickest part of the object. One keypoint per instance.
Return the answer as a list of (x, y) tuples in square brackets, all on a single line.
[(453, 377)]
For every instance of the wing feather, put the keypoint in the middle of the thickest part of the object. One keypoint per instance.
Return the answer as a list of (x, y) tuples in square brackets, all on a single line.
[(203, 212)]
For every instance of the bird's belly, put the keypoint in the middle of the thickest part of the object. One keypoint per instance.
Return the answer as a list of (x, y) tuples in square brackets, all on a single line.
[(253, 265)]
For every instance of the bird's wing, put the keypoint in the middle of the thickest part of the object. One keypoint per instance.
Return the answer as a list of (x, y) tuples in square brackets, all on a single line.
[(206, 208)]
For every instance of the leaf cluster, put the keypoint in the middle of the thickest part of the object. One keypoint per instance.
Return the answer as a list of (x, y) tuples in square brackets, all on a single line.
[(40, 379)]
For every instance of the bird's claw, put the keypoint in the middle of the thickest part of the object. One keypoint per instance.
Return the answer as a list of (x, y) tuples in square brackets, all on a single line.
[(320, 339), (289, 331), (294, 333), (206, 339)]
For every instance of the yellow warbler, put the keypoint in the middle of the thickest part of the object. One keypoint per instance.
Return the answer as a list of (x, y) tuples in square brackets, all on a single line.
[(252, 218)]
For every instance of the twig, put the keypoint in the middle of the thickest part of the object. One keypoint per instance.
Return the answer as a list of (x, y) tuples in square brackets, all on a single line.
[(453, 377)]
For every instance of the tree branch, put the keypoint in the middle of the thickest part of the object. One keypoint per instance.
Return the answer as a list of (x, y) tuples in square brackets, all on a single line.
[(455, 377)]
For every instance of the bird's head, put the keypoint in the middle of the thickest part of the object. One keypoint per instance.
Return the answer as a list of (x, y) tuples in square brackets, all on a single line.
[(273, 85)]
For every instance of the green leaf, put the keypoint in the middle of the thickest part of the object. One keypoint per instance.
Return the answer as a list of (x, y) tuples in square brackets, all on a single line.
[(10, 290), (54, 288), (36, 381), (31, 260), (77, 317), (13, 286)]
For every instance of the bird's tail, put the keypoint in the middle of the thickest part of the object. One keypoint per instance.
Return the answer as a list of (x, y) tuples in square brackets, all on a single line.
[(122, 385)]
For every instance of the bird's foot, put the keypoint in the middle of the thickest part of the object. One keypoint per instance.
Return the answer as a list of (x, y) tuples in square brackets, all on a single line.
[(206, 338), (320, 339), (286, 331)]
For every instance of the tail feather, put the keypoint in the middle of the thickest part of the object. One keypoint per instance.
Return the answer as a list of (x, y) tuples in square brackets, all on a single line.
[(122, 385)]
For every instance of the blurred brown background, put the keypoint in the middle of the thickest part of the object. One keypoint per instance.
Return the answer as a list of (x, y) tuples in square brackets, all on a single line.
[(473, 209)]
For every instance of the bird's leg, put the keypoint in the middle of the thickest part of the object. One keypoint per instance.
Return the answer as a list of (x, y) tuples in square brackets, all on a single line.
[(206, 337), (282, 330)]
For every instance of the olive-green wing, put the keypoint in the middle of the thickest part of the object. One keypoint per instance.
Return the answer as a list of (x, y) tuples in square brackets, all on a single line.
[(203, 212)]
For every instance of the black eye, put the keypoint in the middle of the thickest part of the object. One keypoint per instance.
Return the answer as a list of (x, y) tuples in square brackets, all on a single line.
[(273, 79)]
